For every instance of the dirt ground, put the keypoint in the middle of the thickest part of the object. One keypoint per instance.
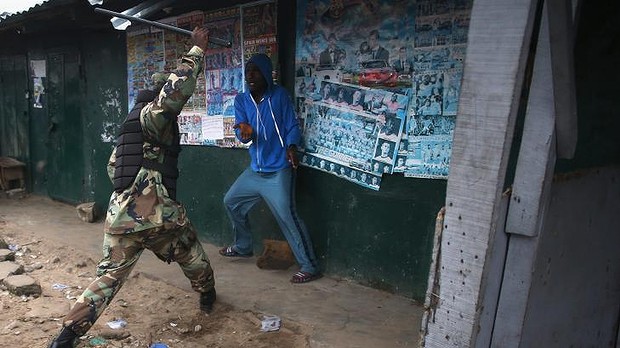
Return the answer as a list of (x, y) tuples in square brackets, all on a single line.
[(153, 311)]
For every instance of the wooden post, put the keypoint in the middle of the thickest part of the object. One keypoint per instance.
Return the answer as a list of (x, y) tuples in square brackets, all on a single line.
[(530, 198), (498, 46)]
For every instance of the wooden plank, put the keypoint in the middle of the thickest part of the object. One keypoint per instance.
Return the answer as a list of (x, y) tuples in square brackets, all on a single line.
[(530, 198), (530, 187), (498, 45), (497, 259), (563, 66)]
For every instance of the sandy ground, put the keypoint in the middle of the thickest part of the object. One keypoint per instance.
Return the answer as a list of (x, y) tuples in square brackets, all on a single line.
[(158, 303), (153, 311)]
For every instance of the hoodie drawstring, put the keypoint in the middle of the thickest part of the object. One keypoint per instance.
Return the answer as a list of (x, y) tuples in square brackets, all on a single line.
[(274, 122)]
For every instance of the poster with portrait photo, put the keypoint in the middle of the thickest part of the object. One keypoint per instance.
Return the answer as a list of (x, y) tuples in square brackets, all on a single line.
[(347, 114), (429, 93), (339, 131), (429, 157), (385, 151), (190, 128), (401, 164)]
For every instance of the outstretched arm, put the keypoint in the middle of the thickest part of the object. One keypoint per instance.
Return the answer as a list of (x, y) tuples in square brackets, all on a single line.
[(180, 86)]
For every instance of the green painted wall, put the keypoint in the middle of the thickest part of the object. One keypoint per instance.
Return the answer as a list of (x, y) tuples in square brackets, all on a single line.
[(104, 108), (14, 107), (382, 239)]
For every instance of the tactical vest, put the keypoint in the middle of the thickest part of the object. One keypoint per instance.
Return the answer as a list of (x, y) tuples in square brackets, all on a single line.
[(130, 156)]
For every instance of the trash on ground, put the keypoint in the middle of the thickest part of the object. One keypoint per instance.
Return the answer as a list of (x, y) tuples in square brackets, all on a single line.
[(97, 341), (159, 345), (59, 287), (270, 323), (117, 324)]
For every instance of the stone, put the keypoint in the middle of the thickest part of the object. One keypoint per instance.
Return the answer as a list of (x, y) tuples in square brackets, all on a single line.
[(7, 255), (277, 254), (86, 211), (112, 334), (22, 285), (8, 268), (17, 193)]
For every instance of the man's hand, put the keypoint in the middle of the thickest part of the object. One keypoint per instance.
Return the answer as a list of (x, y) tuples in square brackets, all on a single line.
[(245, 129), (291, 155), (200, 37)]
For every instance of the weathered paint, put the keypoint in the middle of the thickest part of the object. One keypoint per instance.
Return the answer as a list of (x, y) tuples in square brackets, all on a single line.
[(498, 45), (65, 160), (530, 198), (13, 107), (111, 107)]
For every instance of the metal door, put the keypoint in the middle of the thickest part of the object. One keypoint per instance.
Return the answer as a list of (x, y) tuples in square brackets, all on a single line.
[(13, 107), (65, 169)]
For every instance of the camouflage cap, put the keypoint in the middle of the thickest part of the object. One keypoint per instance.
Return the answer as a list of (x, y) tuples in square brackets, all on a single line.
[(159, 80)]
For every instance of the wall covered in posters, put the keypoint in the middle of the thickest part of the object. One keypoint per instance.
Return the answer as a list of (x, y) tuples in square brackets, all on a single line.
[(208, 117), (377, 85)]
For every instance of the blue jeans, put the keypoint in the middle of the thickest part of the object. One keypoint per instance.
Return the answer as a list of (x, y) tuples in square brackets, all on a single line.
[(278, 191)]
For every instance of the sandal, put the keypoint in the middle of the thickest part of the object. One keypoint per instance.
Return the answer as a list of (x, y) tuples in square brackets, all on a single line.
[(230, 252), (304, 277)]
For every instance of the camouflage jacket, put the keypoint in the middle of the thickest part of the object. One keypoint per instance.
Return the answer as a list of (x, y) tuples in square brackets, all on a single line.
[(146, 204)]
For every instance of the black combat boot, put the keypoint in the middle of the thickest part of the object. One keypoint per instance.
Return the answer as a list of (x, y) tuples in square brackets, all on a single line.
[(206, 300), (65, 339)]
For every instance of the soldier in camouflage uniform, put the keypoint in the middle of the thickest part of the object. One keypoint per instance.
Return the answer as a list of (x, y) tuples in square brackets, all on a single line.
[(143, 212)]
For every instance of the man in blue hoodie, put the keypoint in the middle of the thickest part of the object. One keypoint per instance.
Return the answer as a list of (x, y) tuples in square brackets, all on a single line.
[(264, 115)]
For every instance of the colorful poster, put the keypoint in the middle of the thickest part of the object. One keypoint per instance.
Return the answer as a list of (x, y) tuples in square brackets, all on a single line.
[(259, 31), (38, 73), (441, 36), (208, 116), (145, 56), (377, 83), (190, 128)]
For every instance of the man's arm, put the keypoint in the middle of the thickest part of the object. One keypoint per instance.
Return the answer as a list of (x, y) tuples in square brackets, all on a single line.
[(177, 90), (242, 127)]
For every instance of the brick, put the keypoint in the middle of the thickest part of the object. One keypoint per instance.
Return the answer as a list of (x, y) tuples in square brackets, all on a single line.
[(86, 212)]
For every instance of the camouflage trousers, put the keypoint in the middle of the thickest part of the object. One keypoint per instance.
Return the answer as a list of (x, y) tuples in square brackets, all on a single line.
[(120, 254)]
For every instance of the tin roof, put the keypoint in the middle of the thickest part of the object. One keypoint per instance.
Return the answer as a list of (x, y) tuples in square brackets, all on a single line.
[(23, 7)]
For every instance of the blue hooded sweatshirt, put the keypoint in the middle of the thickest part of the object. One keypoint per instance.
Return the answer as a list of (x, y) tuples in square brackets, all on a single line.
[(274, 123)]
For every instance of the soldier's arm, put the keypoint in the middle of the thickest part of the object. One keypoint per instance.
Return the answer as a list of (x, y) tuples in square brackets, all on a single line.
[(173, 96), (177, 90)]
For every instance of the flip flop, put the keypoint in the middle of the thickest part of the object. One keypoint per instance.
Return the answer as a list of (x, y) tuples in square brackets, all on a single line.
[(304, 277), (230, 252)]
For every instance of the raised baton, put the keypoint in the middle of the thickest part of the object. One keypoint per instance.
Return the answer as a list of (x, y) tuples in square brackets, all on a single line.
[(214, 40)]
